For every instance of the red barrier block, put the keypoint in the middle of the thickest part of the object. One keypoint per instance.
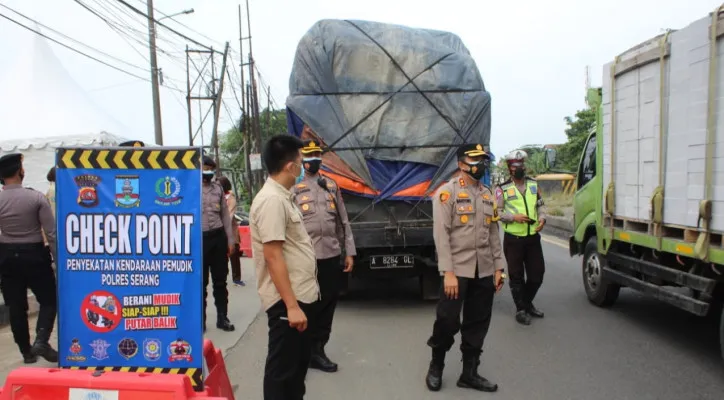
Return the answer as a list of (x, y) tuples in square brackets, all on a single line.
[(217, 382), (245, 241)]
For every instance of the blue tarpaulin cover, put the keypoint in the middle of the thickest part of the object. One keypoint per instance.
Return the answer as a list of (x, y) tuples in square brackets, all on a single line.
[(392, 102)]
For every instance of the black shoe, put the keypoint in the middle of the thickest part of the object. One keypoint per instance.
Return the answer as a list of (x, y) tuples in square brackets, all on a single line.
[(471, 380), (433, 380), (522, 317), (29, 357), (224, 324), (534, 312), (320, 360), (45, 350)]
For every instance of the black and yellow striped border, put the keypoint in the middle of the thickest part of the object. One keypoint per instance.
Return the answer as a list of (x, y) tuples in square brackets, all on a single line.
[(128, 158), (195, 374)]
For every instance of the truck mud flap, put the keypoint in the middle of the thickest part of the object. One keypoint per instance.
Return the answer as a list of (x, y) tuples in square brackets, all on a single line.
[(678, 300), (684, 279)]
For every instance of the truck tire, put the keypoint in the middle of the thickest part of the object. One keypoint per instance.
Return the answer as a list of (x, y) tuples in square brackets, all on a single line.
[(721, 333), (599, 291), (430, 285)]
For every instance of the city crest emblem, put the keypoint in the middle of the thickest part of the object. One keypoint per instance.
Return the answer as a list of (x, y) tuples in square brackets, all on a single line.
[(152, 349), (127, 191), (168, 191)]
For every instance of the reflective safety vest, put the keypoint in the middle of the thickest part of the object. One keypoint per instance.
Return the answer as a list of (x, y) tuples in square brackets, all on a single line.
[(516, 203)]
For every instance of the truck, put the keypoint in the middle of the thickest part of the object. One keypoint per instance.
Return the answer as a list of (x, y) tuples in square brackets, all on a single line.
[(390, 104), (649, 202)]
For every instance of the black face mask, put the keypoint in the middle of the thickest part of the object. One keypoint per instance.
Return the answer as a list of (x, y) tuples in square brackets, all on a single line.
[(519, 173), (476, 170), (312, 166), (207, 177)]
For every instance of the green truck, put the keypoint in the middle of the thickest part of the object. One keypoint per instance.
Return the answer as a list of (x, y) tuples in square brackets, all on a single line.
[(649, 205)]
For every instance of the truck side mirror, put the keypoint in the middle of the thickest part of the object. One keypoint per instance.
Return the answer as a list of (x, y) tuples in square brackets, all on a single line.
[(550, 158)]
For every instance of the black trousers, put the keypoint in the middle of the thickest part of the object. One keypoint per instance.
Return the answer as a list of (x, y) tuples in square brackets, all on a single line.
[(216, 264), (23, 267), (235, 259), (526, 267), (288, 355), (329, 276), (475, 300)]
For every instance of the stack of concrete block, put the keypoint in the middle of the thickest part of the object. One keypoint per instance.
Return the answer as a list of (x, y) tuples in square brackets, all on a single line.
[(637, 104)]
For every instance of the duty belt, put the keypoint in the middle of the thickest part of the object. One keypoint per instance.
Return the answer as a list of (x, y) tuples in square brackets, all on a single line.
[(22, 246)]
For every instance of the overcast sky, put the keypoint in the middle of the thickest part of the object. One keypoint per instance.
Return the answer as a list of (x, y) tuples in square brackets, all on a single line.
[(532, 54)]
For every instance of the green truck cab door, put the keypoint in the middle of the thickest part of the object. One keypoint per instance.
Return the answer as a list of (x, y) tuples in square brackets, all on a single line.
[(588, 193)]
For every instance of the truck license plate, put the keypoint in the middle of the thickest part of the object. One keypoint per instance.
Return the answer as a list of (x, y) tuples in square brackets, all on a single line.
[(392, 261)]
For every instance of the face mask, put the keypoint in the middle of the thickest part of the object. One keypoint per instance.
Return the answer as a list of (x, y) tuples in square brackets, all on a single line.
[(519, 173), (208, 176), (476, 171), (299, 177), (312, 165)]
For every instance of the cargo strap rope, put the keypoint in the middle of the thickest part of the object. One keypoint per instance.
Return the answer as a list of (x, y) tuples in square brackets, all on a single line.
[(657, 198), (610, 198)]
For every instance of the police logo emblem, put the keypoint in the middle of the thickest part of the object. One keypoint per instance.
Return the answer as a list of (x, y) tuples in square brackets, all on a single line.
[(75, 352), (127, 348), (534, 189), (151, 349), (100, 349), (127, 191), (179, 350), (87, 194), (168, 191), (464, 219)]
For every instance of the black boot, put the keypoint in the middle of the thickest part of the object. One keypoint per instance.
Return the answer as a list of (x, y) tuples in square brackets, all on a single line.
[(470, 378), (223, 323), (320, 360), (42, 347), (29, 357), (433, 380), (522, 317), (534, 312)]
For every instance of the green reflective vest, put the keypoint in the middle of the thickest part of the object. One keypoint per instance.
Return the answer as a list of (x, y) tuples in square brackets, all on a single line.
[(516, 203)]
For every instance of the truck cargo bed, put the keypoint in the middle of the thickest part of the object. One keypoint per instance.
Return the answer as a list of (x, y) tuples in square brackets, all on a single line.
[(634, 99)]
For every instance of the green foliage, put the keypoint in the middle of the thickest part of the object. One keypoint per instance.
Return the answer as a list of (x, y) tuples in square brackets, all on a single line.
[(579, 127)]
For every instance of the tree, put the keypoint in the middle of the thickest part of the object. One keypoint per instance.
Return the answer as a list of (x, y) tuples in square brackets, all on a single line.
[(579, 127)]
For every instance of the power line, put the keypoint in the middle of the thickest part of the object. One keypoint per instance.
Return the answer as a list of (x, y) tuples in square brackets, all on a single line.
[(74, 50)]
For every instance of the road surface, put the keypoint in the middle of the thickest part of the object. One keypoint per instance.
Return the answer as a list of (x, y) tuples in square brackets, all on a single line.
[(639, 350)]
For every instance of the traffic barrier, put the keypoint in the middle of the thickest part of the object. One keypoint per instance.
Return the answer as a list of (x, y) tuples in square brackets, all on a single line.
[(245, 241), (55, 383)]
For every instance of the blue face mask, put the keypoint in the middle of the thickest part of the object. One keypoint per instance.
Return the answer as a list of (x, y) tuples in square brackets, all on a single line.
[(301, 175)]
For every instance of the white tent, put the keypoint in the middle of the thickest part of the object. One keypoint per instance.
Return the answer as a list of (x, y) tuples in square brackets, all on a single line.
[(42, 107)]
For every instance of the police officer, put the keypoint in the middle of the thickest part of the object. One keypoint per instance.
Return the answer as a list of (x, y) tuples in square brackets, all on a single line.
[(25, 261), (471, 262), (523, 218), (218, 239), (325, 219)]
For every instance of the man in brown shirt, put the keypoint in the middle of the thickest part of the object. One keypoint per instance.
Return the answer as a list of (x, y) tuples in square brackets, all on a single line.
[(25, 260), (285, 270), (325, 219), (218, 242), (471, 261)]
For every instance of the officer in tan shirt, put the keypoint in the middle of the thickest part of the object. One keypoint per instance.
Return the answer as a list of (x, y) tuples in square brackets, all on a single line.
[(470, 258), (325, 219), (285, 269)]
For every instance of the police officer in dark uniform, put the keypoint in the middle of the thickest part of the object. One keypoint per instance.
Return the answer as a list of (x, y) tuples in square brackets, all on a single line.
[(25, 261), (218, 241), (470, 258)]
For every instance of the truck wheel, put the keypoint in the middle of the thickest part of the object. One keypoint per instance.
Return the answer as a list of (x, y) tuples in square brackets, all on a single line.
[(430, 285), (721, 333), (599, 291)]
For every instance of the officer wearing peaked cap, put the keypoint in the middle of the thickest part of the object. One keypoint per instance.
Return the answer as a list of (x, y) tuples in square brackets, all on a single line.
[(218, 243), (25, 261), (523, 218), (471, 262), (325, 219)]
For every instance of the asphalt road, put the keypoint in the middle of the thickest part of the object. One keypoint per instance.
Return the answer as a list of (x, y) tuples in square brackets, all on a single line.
[(640, 349)]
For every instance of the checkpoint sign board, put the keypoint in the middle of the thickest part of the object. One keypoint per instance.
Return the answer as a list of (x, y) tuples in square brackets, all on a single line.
[(129, 260)]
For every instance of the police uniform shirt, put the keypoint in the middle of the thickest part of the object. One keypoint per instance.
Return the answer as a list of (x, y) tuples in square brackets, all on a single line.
[(464, 229), (24, 215), (274, 217), (319, 209), (507, 214), (215, 212)]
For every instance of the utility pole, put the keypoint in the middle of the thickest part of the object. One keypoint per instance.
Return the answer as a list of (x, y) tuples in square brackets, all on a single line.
[(154, 75), (217, 110), (244, 123)]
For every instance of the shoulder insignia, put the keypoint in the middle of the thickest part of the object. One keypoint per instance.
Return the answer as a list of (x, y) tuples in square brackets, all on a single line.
[(461, 181), (463, 195), (305, 198), (301, 186), (498, 192), (486, 196), (444, 196)]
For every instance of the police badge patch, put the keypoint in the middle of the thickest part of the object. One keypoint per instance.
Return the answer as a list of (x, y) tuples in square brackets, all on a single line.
[(100, 349), (151, 349)]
